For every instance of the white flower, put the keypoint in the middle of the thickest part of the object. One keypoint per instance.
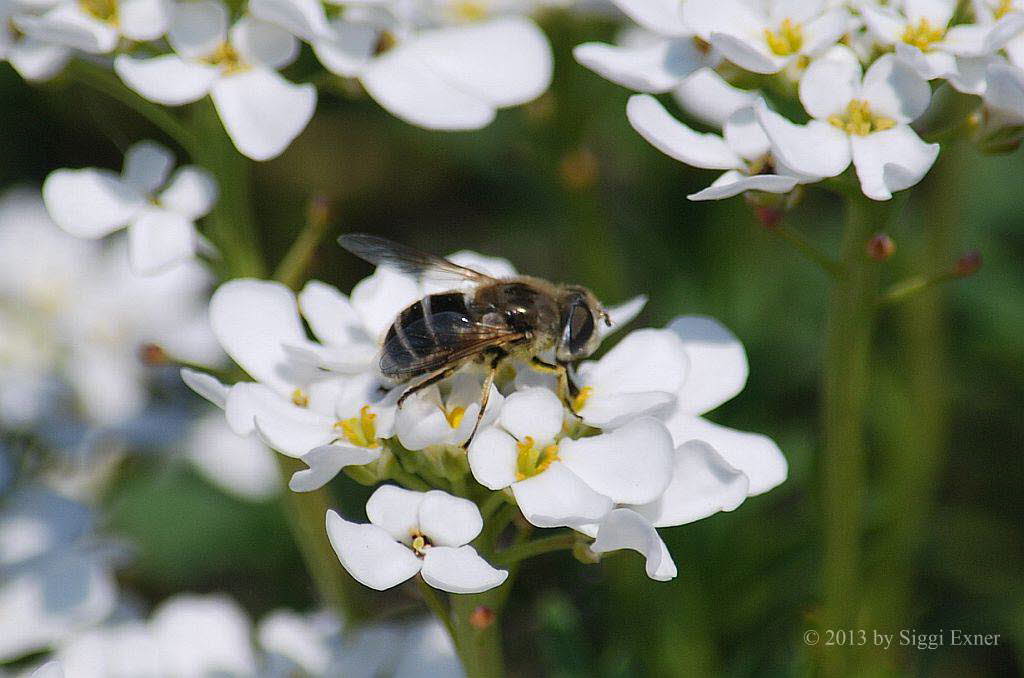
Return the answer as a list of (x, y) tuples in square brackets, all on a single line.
[(33, 59), (1006, 20), (413, 533), (417, 65), (242, 466), (669, 53), (743, 150), (96, 26), (922, 36), (866, 120), (435, 417), (261, 111), (766, 37), (560, 481), (92, 203), (1004, 96), (49, 670)]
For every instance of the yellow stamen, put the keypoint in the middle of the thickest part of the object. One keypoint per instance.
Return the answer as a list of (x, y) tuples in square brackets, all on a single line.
[(787, 40), (922, 34), (103, 10), (859, 119), (228, 58), (360, 431), (531, 461), (581, 398), (455, 416), (300, 398), (419, 544), (469, 10), (1004, 8)]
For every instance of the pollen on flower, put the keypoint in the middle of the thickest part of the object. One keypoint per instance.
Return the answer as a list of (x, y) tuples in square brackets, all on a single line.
[(455, 416), (299, 398), (469, 10), (103, 10), (1004, 8), (581, 398), (228, 58), (531, 460), (859, 119), (420, 544), (786, 40), (923, 35), (360, 431)]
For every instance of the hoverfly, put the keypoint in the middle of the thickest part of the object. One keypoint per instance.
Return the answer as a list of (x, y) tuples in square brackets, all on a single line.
[(498, 319)]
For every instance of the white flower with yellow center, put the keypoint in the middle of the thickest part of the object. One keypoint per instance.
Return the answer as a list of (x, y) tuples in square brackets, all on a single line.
[(866, 120), (261, 111), (444, 65), (919, 30), (410, 533), (32, 58), (560, 481), (766, 37), (445, 415), (743, 150), (159, 213), (96, 26)]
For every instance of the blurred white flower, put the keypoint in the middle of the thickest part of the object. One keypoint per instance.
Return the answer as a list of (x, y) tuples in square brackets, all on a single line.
[(413, 533), (92, 203), (33, 59), (743, 150), (866, 120), (96, 26), (49, 670), (559, 481), (1004, 96), (766, 37), (261, 111), (440, 65), (242, 466)]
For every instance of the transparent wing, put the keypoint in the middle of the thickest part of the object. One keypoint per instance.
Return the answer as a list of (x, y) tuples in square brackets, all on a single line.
[(440, 340), (383, 252)]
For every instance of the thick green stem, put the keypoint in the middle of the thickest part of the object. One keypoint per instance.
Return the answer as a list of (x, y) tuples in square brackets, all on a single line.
[(293, 268), (845, 384), (513, 554), (476, 622), (808, 250), (231, 225)]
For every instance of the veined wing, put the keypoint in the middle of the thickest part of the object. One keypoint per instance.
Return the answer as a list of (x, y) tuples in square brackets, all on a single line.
[(383, 252), (439, 340)]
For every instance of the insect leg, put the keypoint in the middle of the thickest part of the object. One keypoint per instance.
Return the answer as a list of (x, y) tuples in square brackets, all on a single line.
[(437, 376), (566, 389), (485, 395)]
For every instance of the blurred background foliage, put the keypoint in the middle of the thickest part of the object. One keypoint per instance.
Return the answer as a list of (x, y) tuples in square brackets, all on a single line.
[(565, 189)]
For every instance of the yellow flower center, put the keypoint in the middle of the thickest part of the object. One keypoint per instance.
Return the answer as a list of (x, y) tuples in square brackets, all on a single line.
[(420, 544), (923, 35), (1004, 8), (860, 120), (786, 40), (360, 431), (228, 58), (103, 10), (300, 398), (531, 461), (454, 416), (581, 398), (469, 10)]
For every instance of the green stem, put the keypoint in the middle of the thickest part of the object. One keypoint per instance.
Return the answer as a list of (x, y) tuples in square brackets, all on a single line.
[(514, 554), (306, 513), (293, 268), (103, 80), (433, 600), (845, 384), (808, 250), (231, 225), (916, 284), (479, 645)]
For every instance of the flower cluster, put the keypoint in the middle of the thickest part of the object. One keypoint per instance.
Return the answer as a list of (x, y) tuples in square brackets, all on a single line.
[(861, 72), (442, 65), (628, 454)]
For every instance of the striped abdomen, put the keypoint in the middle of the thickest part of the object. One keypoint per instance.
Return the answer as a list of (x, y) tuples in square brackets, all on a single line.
[(424, 335)]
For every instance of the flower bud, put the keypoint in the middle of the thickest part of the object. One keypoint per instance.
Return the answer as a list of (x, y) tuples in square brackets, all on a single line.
[(319, 210), (581, 551), (968, 264), (881, 247), (579, 169), (481, 617), (153, 355)]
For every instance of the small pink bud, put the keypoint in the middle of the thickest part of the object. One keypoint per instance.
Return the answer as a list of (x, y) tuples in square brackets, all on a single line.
[(319, 210), (881, 247), (968, 264), (482, 617), (769, 217), (151, 354)]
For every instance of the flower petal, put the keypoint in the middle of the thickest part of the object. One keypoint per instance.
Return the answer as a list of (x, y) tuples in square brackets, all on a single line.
[(757, 456), (558, 497), (192, 192), (707, 97), (206, 385), (143, 20), (348, 46), (331, 315), (69, 25), (718, 364), (735, 17), (884, 23), (198, 28), (89, 203), (816, 149), (369, 553), (449, 521), (492, 458), (327, 461), (535, 412), (658, 16), (895, 90), (146, 166), (460, 570), (396, 511), (891, 160), (734, 182), (262, 112), (626, 529), (37, 61), (673, 138), (703, 484), (751, 57), (294, 436), (167, 79), (630, 465), (622, 314), (657, 67), (304, 18), (421, 422), (830, 83), (744, 135), (263, 43), (253, 320), (159, 239), (379, 298)]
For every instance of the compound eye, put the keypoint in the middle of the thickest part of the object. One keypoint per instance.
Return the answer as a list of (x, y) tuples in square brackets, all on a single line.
[(577, 329)]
